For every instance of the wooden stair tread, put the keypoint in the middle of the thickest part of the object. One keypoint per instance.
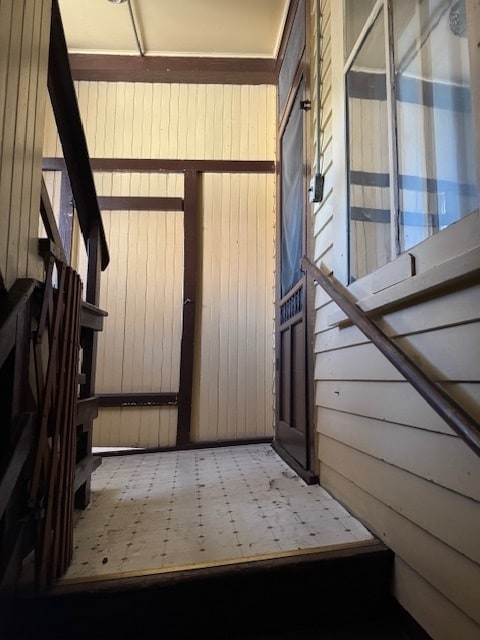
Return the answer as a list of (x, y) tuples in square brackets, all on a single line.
[(91, 316)]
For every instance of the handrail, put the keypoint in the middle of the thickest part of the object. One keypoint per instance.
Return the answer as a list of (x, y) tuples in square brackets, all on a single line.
[(72, 136), (446, 407)]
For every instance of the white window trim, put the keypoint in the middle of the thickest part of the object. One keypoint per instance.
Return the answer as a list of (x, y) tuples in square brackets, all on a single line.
[(418, 272), (453, 252)]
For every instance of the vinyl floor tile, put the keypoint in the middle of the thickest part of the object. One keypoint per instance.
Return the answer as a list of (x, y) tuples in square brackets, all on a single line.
[(167, 510)]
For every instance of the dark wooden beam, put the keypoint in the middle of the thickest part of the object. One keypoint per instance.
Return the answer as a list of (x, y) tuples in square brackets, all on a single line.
[(17, 460), (122, 68), (137, 399), (91, 317), (84, 470), (47, 248), (87, 410), (11, 304), (72, 136), (167, 165), (148, 165), (190, 286), (54, 164), (138, 203), (207, 444)]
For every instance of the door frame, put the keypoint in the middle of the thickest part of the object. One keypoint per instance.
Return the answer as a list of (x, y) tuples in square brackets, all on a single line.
[(302, 73)]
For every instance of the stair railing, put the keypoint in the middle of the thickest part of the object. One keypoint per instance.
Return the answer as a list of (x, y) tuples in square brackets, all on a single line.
[(18, 413), (80, 176), (72, 137), (446, 407)]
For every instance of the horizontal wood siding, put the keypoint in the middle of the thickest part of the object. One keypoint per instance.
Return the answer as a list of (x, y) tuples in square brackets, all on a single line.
[(382, 451), (24, 38), (446, 570), (234, 377)]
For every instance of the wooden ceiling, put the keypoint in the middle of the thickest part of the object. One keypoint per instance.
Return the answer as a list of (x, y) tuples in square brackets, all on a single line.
[(176, 28)]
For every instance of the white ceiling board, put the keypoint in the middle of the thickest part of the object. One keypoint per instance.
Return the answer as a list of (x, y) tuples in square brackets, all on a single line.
[(216, 28)]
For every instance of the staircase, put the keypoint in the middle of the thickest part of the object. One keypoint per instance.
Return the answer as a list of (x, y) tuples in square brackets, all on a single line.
[(334, 595)]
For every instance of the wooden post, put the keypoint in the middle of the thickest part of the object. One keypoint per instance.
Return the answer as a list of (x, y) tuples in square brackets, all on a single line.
[(89, 365), (189, 306)]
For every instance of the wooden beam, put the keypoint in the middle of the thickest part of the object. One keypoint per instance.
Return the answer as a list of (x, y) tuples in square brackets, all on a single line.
[(292, 10), (139, 203), (12, 303), (72, 136), (17, 459), (149, 165), (91, 317), (87, 410), (190, 286), (137, 399), (48, 249), (168, 165), (54, 164), (169, 69), (84, 470)]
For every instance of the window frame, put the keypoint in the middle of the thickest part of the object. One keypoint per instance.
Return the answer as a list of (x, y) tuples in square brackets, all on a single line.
[(406, 264)]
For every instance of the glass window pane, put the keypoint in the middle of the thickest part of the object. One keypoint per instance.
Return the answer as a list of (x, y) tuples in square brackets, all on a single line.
[(356, 13), (436, 153), (368, 161), (292, 196)]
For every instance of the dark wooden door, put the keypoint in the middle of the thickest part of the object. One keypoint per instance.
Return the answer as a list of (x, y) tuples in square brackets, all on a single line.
[(292, 428), (294, 350)]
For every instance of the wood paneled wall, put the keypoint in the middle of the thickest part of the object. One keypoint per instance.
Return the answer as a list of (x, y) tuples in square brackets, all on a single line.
[(382, 451), (184, 121), (24, 38), (139, 348), (233, 382), (234, 373)]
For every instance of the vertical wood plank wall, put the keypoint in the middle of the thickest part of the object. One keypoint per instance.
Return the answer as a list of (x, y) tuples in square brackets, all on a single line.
[(381, 450), (233, 380), (234, 372), (139, 348), (24, 39)]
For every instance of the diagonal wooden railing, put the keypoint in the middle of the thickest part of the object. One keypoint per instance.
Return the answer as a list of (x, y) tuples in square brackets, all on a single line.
[(18, 424), (446, 407), (47, 332), (72, 137), (80, 176)]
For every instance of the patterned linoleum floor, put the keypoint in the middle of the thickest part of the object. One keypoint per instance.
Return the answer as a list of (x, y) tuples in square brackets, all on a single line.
[(161, 511)]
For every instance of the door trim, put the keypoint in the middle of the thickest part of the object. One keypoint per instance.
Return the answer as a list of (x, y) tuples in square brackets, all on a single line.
[(302, 73)]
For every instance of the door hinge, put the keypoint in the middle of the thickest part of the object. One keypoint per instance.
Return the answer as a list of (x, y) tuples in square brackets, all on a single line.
[(306, 105)]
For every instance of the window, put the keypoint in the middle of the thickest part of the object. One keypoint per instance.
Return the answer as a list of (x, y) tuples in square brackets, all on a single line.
[(411, 155)]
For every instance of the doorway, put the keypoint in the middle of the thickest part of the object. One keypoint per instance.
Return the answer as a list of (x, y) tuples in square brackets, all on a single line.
[(293, 432)]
